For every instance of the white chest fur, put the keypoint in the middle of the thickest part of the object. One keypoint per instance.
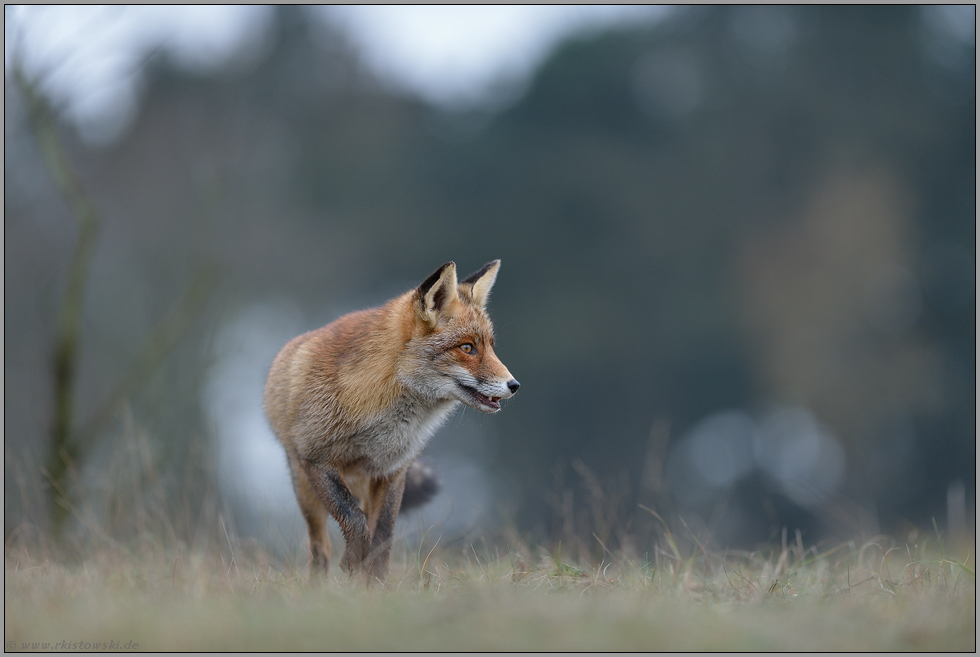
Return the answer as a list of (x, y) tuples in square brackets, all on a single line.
[(396, 438)]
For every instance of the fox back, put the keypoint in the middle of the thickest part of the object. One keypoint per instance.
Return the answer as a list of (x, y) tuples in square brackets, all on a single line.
[(355, 402)]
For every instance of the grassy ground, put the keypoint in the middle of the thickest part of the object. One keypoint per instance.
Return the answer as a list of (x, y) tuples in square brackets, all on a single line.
[(878, 595)]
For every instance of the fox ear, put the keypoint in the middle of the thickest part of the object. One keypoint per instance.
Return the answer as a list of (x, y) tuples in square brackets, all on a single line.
[(480, 282), (436, 291)]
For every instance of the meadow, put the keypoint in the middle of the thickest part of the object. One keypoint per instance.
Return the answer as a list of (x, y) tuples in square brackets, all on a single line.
[(137, 569), (878, 595)]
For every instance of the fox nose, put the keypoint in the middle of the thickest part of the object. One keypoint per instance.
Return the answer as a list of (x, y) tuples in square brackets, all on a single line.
[(513, 385)]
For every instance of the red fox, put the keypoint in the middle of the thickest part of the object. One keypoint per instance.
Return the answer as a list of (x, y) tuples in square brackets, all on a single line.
[(355, 402)]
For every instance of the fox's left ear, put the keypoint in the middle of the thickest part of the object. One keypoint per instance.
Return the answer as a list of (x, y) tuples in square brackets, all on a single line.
[(436, 292), (477, 285)]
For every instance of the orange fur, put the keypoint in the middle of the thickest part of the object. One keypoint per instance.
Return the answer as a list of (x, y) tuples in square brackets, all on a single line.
[(355, 402)]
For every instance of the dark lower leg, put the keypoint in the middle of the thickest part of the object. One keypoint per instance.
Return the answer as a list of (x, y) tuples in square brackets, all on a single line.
[(330, 488)]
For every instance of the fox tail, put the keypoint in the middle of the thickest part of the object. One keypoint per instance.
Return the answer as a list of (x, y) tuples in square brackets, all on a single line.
[(421, 485)]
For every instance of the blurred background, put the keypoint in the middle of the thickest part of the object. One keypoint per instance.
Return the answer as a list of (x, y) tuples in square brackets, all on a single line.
[(738, 246)]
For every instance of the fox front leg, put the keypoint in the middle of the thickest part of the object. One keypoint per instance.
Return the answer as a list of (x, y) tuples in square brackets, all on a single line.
[(330, 487), (385, 499)]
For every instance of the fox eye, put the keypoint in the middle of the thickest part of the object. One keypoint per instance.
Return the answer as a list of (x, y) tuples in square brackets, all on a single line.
[(467, 348)]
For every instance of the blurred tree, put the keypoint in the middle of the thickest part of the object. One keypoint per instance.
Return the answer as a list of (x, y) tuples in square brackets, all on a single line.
[(64, 452), (72, 442), (737, 208)]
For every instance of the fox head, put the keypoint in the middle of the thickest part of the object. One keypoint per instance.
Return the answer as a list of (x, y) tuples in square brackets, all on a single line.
[(450, 353)]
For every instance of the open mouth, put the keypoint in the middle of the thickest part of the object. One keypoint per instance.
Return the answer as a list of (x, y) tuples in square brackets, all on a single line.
[(481, 399)]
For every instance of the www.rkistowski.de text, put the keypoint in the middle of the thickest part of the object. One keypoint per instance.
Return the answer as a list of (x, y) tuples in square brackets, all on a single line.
[(73, 645)]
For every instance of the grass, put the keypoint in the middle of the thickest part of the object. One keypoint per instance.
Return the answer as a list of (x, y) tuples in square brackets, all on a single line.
[(877, 595), (141, 569)]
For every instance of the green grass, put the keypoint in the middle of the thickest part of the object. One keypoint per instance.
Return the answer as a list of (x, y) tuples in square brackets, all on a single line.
[(878, 595)]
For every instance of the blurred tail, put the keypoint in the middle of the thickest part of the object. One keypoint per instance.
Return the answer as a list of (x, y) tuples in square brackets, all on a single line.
[(421, 485)]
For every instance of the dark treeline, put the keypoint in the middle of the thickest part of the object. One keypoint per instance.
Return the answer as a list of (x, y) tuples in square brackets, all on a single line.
[(738, 257)]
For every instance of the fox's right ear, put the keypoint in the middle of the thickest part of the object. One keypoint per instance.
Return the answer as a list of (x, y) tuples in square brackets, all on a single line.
[(477, 285), (437, 291)]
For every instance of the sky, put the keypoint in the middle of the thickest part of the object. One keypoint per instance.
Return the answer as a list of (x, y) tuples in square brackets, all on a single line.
[(88, 57)]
